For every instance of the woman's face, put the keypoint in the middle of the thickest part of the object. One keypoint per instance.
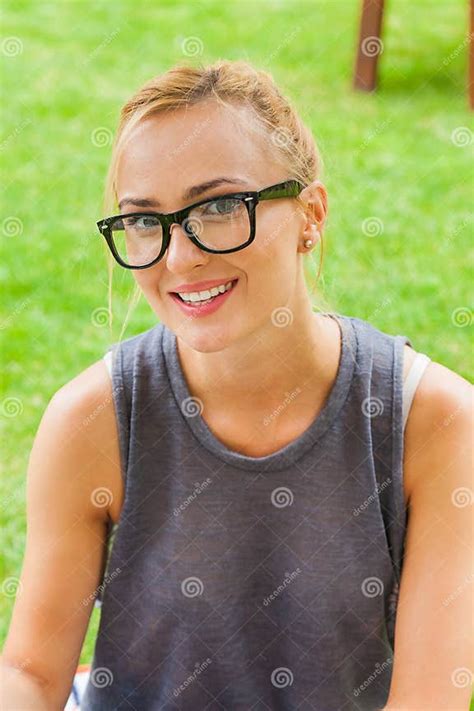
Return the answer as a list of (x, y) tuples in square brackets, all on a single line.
[(163, 159)]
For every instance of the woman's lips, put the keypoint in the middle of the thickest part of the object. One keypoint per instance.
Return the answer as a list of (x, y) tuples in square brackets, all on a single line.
[(207, 308)]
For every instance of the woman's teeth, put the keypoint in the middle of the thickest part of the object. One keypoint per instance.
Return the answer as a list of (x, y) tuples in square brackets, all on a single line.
[(204, 297)]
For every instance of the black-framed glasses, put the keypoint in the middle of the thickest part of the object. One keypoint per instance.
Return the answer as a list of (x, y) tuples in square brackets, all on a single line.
[(222, 224)]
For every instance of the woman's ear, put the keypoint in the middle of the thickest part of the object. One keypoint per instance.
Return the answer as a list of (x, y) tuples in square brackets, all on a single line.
[(315, 200)]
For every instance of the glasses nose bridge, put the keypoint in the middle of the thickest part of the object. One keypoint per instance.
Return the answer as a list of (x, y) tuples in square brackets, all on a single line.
[(178, 219), (172, 223)]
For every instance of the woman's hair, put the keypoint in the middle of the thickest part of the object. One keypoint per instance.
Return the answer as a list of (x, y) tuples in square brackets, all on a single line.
[(236, 85)]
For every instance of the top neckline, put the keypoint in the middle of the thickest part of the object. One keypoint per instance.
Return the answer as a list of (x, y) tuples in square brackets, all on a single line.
[(287, 455)]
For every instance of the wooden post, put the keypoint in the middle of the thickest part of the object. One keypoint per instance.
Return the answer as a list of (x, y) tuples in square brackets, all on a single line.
[(370, 45), (470, 80)]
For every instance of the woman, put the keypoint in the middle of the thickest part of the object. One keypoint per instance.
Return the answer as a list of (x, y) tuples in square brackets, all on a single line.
[(249, 455)]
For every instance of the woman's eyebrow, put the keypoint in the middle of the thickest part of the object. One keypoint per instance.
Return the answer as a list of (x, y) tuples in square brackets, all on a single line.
[(188, 195)]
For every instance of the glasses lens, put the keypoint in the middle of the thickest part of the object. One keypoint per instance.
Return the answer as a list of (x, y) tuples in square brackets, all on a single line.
[(219, 224), (138, 239)]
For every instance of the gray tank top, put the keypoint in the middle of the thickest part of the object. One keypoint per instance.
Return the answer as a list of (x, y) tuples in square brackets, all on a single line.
[(236, 582)]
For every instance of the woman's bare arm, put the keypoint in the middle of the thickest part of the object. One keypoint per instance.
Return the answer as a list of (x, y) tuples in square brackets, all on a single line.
[(75, 452), (433, 660)]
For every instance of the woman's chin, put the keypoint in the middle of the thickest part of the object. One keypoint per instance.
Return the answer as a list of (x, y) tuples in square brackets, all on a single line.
[(206, 339)]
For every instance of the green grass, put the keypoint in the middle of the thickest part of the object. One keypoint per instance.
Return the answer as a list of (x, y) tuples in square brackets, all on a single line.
[(388, 155)]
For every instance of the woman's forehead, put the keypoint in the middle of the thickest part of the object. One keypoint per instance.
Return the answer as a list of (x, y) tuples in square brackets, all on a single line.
[(205, 131), (177, 154)]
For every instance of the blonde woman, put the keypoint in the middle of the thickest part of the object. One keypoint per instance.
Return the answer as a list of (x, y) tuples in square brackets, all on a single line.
[(280, 490)]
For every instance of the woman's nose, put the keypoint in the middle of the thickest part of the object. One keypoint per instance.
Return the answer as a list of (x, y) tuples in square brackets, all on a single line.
[(181, 250)]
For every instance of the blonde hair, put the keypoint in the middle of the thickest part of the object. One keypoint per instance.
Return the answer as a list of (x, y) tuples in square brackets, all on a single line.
[(235, 85)]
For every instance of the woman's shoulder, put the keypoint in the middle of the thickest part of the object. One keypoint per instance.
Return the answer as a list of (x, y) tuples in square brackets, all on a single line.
[(439, 421), (85, 389), (442, 395), (84, 409)]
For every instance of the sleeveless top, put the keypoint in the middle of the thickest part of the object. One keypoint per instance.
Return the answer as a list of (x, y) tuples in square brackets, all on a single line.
[(237, 582)]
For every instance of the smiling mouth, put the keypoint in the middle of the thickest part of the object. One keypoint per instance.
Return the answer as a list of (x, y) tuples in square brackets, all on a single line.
[(197, 304)]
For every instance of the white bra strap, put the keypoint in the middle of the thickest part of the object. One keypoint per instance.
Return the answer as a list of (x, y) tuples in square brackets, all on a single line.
[(417, 369), (108, 361)]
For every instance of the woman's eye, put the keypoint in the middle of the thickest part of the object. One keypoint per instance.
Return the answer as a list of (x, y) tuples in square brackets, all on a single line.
[(141, 222), (221, 207)]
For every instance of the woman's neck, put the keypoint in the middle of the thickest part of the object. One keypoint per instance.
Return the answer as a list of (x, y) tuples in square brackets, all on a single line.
[(300, 359)]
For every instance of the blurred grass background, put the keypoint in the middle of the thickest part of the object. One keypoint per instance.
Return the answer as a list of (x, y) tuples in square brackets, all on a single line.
[(400, 158)]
